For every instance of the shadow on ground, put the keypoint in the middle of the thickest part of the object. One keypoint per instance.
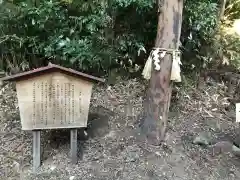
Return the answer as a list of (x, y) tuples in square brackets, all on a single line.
[(98, 122), (59, 139)]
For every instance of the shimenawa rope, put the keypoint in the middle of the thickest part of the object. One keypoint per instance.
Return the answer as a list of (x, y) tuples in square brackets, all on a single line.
[(155, 57)]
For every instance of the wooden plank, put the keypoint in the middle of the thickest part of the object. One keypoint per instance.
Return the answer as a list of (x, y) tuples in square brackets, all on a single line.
[(53, 101), (73, 145), (81, 133), (36, 150)]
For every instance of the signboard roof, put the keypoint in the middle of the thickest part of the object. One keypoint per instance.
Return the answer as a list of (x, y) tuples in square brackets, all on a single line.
[(50, 68)]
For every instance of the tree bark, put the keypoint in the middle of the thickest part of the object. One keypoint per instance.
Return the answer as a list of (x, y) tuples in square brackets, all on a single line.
[(157, 102), (222, 10)]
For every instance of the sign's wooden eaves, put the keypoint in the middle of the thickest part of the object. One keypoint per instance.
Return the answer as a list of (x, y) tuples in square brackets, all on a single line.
[(50, 68)]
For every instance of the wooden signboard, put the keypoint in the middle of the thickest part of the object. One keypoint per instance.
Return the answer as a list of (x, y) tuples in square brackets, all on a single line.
[(53, 100), (53, 97)]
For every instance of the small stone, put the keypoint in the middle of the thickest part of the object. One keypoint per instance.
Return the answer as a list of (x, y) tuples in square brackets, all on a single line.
[(16, 166), (222, 147), (111, 134), (236, 150), (132, 157), (53, 167), (72, 177), (202, 139), (236, 140)]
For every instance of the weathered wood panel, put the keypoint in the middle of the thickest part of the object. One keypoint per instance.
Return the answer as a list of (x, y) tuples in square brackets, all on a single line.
[(53, 100)]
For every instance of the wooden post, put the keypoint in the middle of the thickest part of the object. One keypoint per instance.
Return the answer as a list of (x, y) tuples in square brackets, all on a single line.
[(82, 134), (157, 102), (74, 146), (36, 150)]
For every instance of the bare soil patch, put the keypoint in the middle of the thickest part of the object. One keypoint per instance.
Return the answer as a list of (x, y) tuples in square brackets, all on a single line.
[(110, 148)]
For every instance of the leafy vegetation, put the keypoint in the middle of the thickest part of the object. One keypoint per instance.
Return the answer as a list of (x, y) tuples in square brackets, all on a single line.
[(100, 35), (228, 36), (92, 36), (200, 19)]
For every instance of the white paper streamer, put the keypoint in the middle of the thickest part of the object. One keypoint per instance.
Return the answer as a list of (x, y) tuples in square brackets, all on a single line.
[(155, 58), (176, 70), (147, 68)]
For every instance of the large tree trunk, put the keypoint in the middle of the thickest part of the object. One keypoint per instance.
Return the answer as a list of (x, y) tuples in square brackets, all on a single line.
[(222, 10), (158, 98)]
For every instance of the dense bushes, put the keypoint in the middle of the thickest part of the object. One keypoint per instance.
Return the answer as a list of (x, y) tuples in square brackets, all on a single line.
[(98, 35), (200, 19), (92, 36)]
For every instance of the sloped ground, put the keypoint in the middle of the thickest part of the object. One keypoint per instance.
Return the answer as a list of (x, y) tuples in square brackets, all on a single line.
[(111, 150)]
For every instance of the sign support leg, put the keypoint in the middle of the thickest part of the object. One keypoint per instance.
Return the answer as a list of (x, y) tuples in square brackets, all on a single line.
[(74, 145), (36, 150), (81, 145)]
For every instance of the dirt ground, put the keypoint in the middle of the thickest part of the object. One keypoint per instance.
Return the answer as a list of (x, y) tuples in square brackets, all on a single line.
[(110, 148)]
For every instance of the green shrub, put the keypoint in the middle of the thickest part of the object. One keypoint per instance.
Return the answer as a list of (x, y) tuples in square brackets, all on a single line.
[(96, 36), (91, 36)]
